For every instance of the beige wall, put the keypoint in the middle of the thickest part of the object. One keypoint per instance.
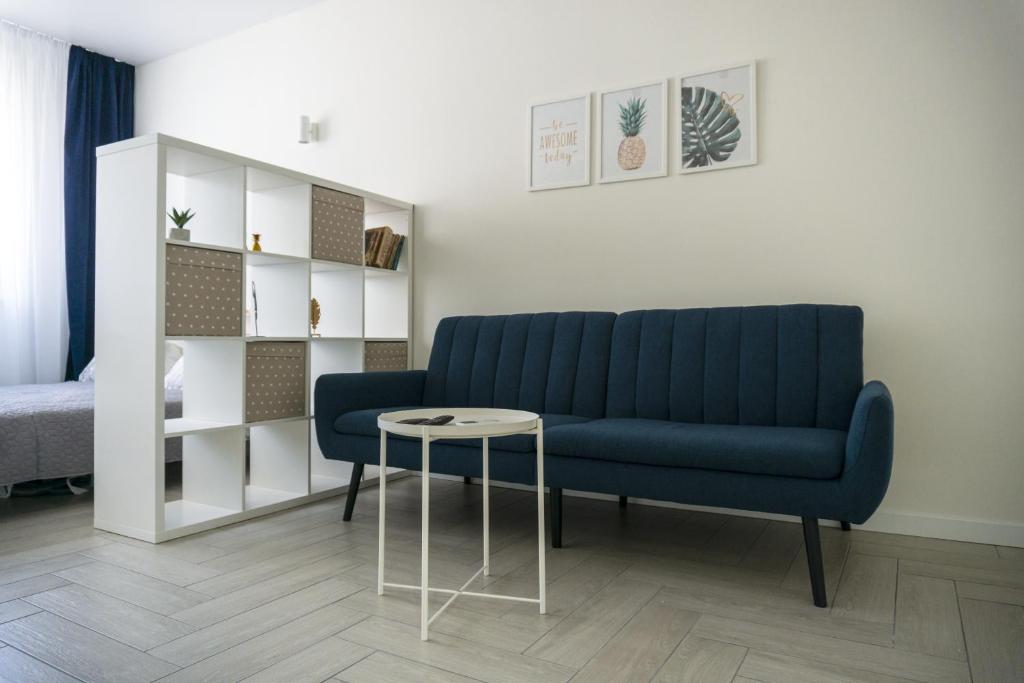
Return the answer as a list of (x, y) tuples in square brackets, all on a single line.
[(892, 160)]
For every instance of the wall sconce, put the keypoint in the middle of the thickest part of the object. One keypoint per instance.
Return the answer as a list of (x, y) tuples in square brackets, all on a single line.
[(309, 131)]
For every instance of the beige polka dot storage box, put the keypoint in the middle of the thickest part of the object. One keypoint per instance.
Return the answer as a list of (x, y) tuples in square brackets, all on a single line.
[(387, 356), (204, 292), (275, 380), (337, 226)]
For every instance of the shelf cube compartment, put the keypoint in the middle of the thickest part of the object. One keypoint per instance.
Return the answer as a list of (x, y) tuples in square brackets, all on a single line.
[(275, 381), (337, 226), (203, 292), (386, 304), (213, 379), (386, 355), (213, 478), (378, 215), (278, 210), (339, 291), (280, 307), (214, 189), (278, 462)]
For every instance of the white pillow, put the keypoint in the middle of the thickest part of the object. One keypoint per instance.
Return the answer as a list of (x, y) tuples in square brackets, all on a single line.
[(173, 351), (88, 373), (174, 380)]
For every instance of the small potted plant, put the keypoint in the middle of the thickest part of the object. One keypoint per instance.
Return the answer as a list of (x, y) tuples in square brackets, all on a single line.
[(180, 218)]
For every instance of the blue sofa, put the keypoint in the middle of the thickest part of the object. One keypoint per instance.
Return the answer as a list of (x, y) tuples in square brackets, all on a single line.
[(757, 408)]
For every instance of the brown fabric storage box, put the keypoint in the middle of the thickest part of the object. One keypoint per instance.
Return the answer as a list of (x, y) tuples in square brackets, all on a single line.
[(387, 356), (203, 292), (337, 226), (275, 380)]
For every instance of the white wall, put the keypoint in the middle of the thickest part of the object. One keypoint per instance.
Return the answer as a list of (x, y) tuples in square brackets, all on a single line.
[(892, 156)]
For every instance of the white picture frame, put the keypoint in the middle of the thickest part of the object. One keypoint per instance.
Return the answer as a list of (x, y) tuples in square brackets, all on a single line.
[(559, 139), (613, 165), (738, 82)]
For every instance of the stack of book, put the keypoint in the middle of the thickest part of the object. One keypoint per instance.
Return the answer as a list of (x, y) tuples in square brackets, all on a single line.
[(383, 248)]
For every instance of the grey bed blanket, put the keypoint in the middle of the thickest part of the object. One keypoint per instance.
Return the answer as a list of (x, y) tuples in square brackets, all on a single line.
[(46, 430)]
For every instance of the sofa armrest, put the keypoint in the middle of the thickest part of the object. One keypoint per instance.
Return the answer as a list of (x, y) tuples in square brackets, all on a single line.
[(869, 446), (870, 438), (337, 394)]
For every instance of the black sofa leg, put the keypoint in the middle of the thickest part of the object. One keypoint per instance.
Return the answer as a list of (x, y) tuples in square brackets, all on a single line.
[(556, 518), (622, 501), (353, 490), (467, 480), (845, 525), (812, 542)]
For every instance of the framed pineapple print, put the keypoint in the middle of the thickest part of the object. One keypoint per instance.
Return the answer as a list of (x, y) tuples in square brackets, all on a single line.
[(633, 125), (559, 144), (718, 118)]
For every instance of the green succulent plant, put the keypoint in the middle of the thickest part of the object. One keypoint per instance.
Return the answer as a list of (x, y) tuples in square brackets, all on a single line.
[(180, 218), (632, 116)]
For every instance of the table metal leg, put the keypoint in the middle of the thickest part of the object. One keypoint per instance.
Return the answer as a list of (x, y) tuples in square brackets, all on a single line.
[(487, 508), (542, 578), (380, 512), (425, 537)]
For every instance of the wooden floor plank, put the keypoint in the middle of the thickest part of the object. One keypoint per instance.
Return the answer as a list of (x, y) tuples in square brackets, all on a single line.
[(117, 619), (769, 667), (81, 652), (250, 597), (383, 667), (698, 660), (145, 591), (773, 551), (225, 634), (995, 640), (18, 667), (584, 632), (823, 648), (867, 589), (263, 651), (15, 609), (25, 587), (928, 618), (455, 654), (641, 647), (318, 662), (995, 576), (981, 591), (31, 569), (270, 567), (169, 569)]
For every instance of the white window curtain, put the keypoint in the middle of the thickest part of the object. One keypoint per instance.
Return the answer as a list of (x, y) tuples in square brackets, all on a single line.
[(33, 296)]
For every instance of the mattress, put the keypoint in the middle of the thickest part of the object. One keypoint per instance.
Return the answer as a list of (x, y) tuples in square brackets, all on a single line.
[(46, 430)]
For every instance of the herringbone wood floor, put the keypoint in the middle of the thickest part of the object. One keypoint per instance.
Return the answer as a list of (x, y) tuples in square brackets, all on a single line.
[(641, 594)]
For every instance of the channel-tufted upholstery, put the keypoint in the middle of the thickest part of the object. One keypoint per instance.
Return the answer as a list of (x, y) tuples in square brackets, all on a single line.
[(541, 362), (761, 408)]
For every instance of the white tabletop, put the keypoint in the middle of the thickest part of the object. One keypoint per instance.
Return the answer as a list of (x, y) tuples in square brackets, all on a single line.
[(469, 423)]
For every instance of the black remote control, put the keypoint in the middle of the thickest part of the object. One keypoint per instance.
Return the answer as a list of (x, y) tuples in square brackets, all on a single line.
[(429, 421)]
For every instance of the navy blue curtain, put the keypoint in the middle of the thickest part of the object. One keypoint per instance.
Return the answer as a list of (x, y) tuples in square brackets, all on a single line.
[(100, 110)]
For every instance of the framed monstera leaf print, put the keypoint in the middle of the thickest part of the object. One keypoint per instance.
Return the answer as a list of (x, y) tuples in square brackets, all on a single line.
[(718, 119), (633, 126)]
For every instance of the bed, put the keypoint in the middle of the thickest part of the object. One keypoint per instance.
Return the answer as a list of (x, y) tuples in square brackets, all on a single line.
[(46, 431)]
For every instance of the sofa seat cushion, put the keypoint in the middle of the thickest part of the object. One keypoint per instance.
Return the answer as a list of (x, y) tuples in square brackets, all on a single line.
[(364, 423), (780, 451)]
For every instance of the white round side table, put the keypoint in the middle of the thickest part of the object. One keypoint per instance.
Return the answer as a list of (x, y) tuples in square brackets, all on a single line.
[(468, 423)]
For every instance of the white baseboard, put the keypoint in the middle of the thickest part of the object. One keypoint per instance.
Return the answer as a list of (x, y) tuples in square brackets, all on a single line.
[(887, 521)]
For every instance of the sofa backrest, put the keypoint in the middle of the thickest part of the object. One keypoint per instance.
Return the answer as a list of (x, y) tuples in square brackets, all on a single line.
[(542, 362), (793, 366)]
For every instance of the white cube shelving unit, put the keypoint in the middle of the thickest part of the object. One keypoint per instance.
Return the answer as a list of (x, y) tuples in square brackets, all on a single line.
[(232, 469)]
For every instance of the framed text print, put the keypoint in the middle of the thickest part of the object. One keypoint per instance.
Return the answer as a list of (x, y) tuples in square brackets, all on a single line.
[(718, 118), (560, 144), (634, 132)]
